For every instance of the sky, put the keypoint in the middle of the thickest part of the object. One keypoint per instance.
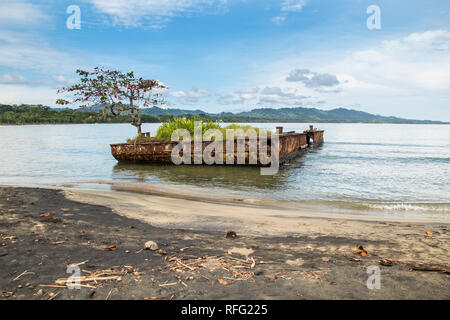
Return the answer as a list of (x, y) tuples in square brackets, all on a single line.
[(387, 57)]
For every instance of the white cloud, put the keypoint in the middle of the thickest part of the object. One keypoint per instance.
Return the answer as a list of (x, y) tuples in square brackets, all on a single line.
[(289, 6), (24, 51), (288, 93), (312, 79), (419, 62), (30, 52), (277, 96), (192, 96), (241, 96), (272, 96), (59, 79), (20, 13), (279, 19), (407, 76), (178, 94), (246, 94), (153, 13), (18, 94), (22, 47), (12, 79), (293, 5)]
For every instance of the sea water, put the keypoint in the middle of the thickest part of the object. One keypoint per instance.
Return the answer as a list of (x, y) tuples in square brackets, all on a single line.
[(394, 168)]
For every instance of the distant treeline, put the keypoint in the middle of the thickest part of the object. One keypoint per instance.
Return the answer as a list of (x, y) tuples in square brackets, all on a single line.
[(39, 114), (32, 114)]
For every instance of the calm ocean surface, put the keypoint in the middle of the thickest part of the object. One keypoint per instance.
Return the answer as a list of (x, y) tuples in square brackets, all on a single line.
[(399, 168)]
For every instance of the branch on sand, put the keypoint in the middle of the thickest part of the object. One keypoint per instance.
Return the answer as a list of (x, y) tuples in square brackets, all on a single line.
[(417, 266)]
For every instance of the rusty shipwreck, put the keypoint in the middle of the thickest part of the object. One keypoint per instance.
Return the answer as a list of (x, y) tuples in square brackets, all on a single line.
[(290, 145)]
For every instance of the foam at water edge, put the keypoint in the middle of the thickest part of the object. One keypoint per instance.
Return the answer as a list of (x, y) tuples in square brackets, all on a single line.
[(412, 207)]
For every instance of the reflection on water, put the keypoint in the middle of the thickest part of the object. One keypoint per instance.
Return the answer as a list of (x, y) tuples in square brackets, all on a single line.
[(235, 177)]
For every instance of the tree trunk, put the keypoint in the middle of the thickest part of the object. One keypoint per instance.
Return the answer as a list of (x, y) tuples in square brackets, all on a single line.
[(139, 121), (133, 121)]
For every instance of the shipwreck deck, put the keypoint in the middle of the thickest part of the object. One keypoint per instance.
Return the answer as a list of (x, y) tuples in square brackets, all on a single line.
[(290, 145)]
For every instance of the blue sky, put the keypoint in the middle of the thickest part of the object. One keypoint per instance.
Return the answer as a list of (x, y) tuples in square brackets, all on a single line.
[(234, 55)]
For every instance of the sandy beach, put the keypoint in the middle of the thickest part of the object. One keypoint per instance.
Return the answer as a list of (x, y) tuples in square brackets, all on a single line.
[(43, 231)]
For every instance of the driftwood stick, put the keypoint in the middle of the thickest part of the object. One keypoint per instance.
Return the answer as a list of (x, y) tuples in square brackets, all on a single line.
[(240, 260), (85, 279), (416, 266), (64, 287), (51, 286), (110, 292), (168, 284), (267, 262), (54, 296), (184, 265), (76, 264), (22, 274), (253, 263)]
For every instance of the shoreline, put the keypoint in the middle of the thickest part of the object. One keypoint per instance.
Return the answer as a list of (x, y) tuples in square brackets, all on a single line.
[(318, 262), (136, 194), (172, 207)]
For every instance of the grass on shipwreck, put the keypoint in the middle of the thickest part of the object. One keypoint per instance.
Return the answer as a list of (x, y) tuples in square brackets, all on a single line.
[(166, 129)]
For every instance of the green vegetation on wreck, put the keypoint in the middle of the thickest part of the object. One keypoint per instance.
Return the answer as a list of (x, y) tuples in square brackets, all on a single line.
[(167, 128)]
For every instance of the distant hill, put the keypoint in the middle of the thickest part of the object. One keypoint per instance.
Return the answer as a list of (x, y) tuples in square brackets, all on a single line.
[(153, 111), (25, 114), (317, 115), (290, 115), (156, 111)]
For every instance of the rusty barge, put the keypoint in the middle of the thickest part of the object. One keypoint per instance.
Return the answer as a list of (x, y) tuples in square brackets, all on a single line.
[(290, 145)]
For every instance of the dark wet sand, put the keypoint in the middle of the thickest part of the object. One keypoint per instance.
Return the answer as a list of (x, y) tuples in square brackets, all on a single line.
[(75, 232)]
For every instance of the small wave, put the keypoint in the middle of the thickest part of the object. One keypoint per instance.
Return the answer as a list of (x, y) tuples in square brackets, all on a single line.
[(442, 208), (392, 159), (384, 144)]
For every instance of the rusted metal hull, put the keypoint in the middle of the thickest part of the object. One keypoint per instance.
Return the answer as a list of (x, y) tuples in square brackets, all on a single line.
[(290, 145)]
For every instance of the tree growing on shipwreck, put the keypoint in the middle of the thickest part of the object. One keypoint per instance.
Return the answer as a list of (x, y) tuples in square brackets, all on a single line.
[(115, 92)]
